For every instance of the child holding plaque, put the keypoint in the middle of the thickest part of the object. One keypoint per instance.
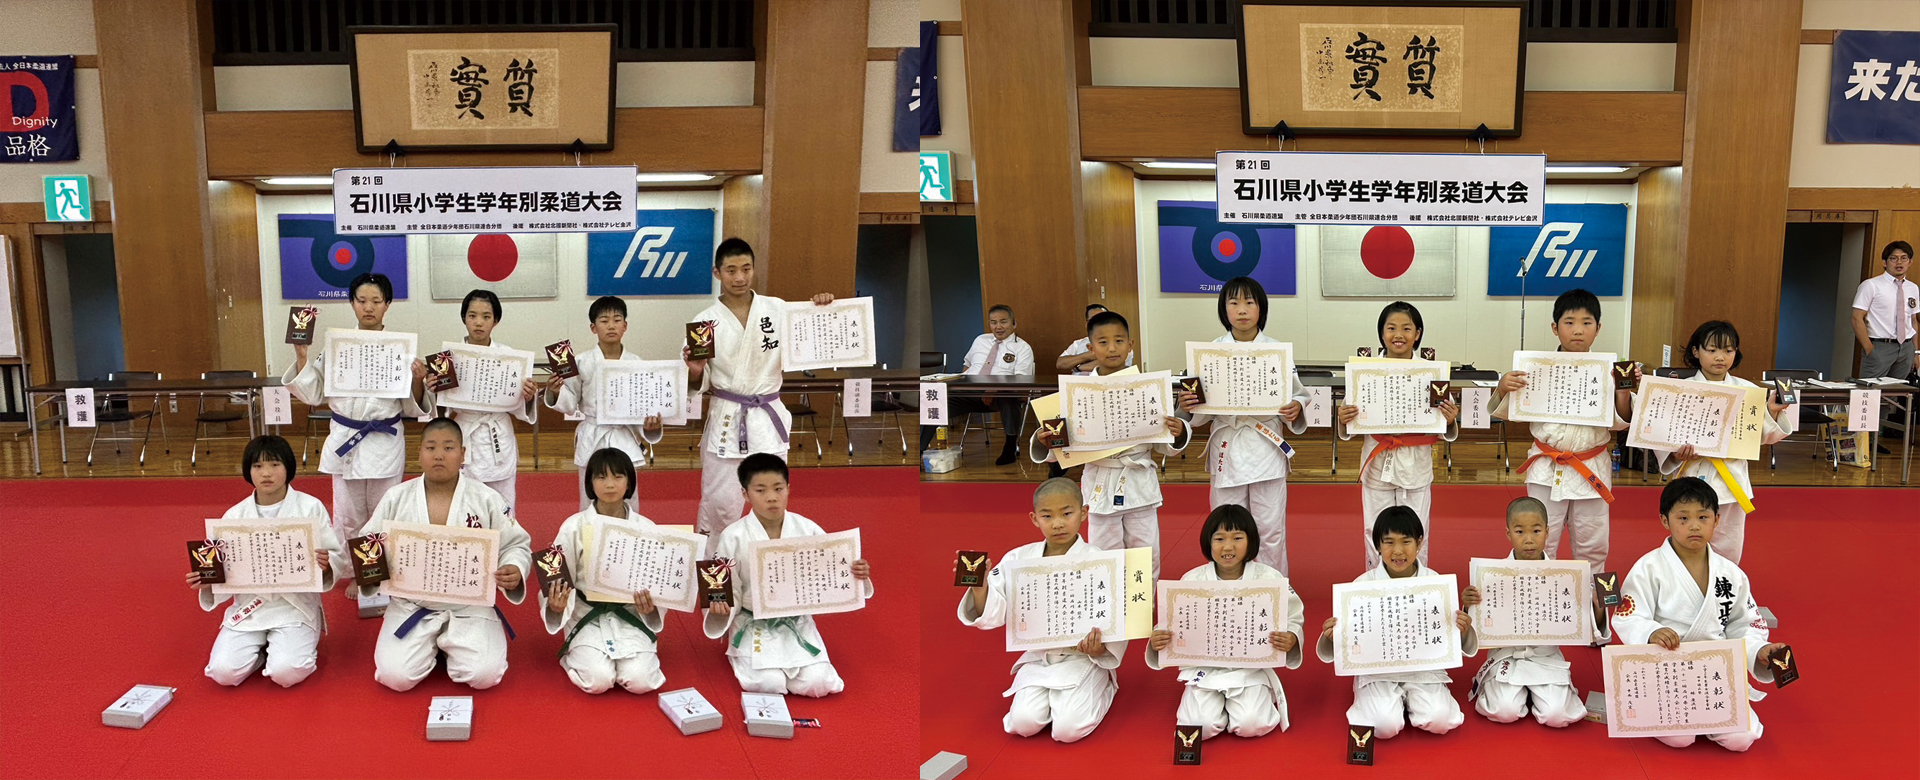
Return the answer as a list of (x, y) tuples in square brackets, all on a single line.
[(493, 451), (366, 440), (1247, 456), (777, 655), (1713, 351), (1398, 470), (606, 644), (473, 638), (1570, 467), (1248, 702), (277, 634), (1069, 687), (1514, 675), (1388, 702), (1122, 490), (1683, 591), (580, 394)]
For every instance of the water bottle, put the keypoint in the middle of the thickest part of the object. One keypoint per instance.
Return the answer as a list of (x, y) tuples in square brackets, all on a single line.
[(1616, 458), (940, 439)]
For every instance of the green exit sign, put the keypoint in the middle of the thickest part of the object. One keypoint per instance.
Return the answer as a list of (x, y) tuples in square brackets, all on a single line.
[(68, 198), (936, 177)]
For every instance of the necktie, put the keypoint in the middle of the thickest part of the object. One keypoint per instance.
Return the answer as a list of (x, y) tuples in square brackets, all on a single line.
[(991, 356)]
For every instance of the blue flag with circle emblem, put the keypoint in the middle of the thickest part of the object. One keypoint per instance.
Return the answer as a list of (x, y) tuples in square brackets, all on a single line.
[(1198, 254), (317, 264)]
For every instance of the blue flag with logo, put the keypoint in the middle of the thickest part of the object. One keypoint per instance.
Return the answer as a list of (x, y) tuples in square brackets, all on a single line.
[(1199, 254), (1580, 246), (1875, 94), (39, 124), (317, 264), (670, 254)]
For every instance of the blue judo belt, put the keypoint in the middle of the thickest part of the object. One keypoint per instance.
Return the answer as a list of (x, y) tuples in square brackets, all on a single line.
[(389, 426), (406, 626)]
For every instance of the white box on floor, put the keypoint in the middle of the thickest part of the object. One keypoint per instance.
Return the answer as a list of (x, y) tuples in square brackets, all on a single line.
[(450, 719), (945, 766), (766, 715), (1596, 707), (1767, 615), (375, 605), (138, 706), (689, 711), (940, 461)]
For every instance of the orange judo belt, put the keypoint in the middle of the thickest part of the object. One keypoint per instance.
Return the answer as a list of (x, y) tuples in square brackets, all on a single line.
[(1578, 460), (1383, 444)]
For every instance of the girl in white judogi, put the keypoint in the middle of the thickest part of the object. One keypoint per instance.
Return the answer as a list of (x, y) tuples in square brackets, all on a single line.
[(580, 394), (1398, 470), (280, 630), (493, 451), (1388, 702), (778, 655), (1248, 702), (1248, 456), (742, 381), (474, 638), (366, 440), (1514, 675), (1068, 687), (1714, 350), (1683, 591), (606, 644)]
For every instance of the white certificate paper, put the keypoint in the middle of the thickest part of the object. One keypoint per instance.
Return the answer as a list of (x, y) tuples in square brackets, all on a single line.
[(1223, 624), (1528, 603), (630, 391), (1242, 377), (1720, 421), (1700, 688), (489, 377), (449, 564), (1395, 625), (1573, 388), (837, 335), (370, 363), (1393, 396), (1055, 601), (1105, 412), (630, 557), (805, 575), (269, 555)]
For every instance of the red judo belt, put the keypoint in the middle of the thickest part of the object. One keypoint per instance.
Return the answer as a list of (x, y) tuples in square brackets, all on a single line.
[(1383, 444), (1578, 460)]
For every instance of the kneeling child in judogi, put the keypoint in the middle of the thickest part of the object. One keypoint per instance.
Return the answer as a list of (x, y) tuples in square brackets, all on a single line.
[(607, 644), (1516, 681)]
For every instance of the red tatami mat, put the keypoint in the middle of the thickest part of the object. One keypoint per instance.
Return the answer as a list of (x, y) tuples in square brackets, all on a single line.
[(1831, 563), (98, 606)]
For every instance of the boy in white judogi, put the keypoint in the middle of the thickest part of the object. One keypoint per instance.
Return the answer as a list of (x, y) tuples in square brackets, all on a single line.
[(1683, 591), (1714, 350), (580, 394), (1570, 467), (493, 451), (280, 630), (1397, 470), (606, 644), (1389, 702), (474, 638), (366, 441), (1247, 456), (1122, 490), (744, 412), (1248, 702), (1069, 687), (778, 655), (1514, 675)]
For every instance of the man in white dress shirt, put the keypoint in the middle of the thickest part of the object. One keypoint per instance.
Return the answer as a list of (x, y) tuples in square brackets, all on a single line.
[(1886, 314), (997, 352)]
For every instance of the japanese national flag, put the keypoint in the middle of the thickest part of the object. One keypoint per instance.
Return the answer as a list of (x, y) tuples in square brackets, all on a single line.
[(512, 265), (1387, 261)]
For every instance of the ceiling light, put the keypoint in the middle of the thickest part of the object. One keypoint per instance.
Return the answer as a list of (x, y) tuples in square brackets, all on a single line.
[(1586, 169), (1196, 166), (298, 181), (657, 178)]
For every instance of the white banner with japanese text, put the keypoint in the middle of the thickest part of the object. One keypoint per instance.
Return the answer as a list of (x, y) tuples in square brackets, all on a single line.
[(1340, 188), (564, 199)]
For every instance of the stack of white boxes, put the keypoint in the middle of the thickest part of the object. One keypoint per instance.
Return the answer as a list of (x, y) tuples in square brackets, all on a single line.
[(450, 719), (945, 766), (137, 707), (1596, 707), (689, 711), (766, 715)]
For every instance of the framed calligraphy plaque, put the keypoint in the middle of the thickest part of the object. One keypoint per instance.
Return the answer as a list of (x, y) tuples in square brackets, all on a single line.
[(504, 87)]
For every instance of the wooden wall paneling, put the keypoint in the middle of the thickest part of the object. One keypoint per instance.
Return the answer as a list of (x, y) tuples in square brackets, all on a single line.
[(1734, 175), (815, 104), (743, 215), (1851, 198), (1124, 123), (30, 279), (237, 301), (1022, 103), (1658, 225), (1113, 271), (156, 151), (708, 139), (36, 212)]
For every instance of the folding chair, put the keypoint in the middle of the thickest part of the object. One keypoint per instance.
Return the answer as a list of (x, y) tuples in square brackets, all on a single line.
[(122, 412), (223, 415)]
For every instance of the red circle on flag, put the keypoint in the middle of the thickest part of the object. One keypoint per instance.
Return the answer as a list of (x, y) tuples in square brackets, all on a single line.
[(342, 257), (1228, 247), (492, 256), (1387, 251)]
